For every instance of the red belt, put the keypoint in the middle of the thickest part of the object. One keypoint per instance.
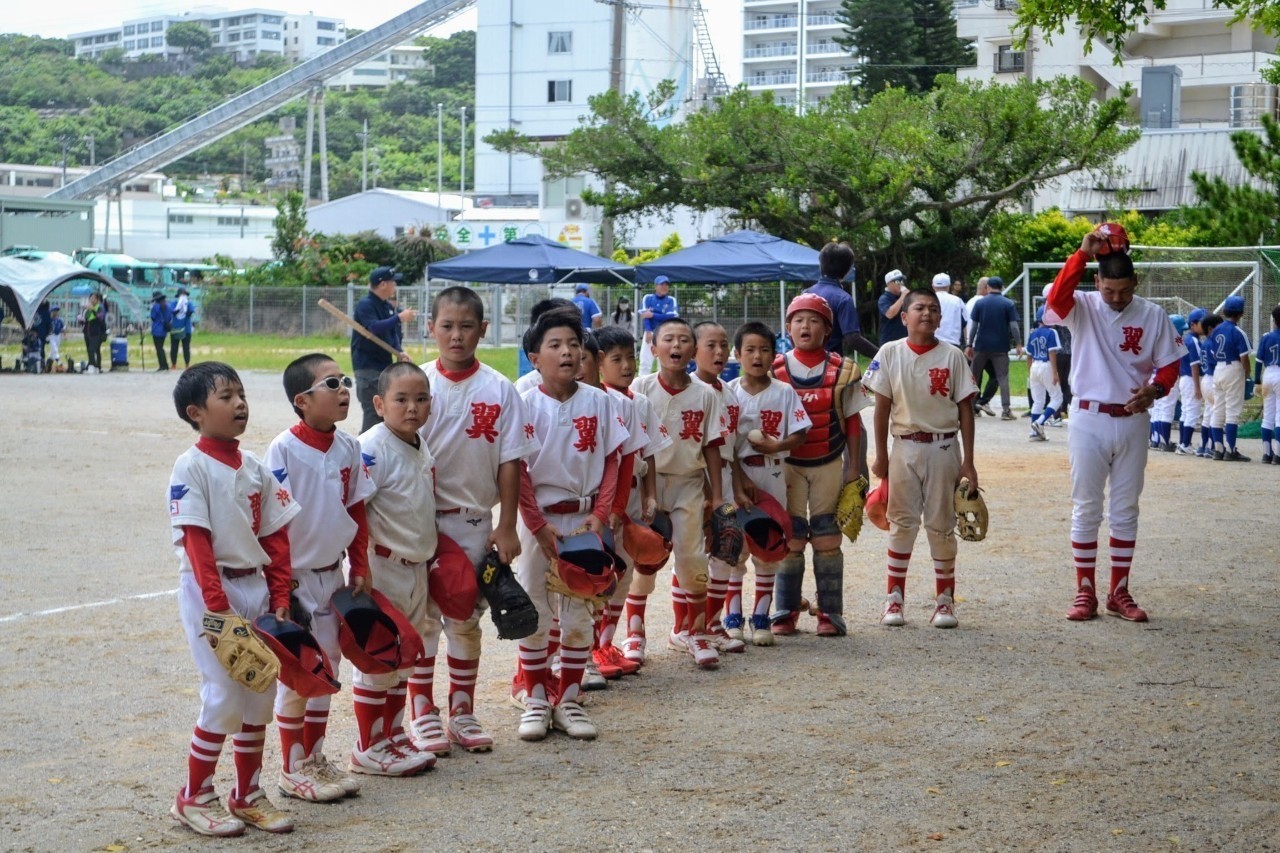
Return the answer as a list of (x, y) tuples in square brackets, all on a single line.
[(571, 507), (759, 461), (453, 511), (1116, 410), (385, 552), (926, 437), (232, 574)]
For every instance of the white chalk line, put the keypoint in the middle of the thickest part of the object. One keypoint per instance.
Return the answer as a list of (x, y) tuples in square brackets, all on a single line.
[(14, 617)]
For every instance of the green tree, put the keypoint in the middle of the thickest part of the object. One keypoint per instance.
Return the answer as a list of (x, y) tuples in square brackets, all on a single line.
[(911, 180), (291, 228), (189, 35), (1243, 215), (908, 50)]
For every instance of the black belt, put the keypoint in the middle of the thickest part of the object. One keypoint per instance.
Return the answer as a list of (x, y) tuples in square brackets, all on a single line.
[(926, 437), (324, 569), (232, 574), (1116, 410)]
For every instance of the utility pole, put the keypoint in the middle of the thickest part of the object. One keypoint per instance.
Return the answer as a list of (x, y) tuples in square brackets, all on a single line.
[(66, 142), (440, 156), (244, 167), (306, 148), (93, 155), (364, 157), (462, 175), (616, 83), (324, 152)]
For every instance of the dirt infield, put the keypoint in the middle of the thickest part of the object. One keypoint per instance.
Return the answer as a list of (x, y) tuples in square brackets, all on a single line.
[(1019, 730)]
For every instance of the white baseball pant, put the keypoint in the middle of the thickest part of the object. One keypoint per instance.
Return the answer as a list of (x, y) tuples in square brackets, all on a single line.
[(1162, 410), (922, 485), (470, 528), (314, 591), (1271, 405), (1103, 448), (1228, 393), (1192, 406), (1207, 395), (1042, 385), (680, 495), (574, 616)]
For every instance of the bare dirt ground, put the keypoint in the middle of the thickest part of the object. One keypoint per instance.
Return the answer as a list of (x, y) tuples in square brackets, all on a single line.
[(1019, 730)]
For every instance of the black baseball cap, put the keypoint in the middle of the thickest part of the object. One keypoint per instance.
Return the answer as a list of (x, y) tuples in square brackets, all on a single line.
[(382, 274)]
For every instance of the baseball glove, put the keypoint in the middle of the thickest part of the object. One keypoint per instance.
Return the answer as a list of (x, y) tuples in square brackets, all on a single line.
[(726, 535), (241, 652), (971, 513), (853, 497), (509, 605)]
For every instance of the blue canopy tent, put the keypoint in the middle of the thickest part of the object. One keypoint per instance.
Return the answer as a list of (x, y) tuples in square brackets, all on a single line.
[(530, 260)]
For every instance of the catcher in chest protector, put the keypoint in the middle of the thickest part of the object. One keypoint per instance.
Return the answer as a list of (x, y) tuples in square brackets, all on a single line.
[(229, 517), (922, 389)]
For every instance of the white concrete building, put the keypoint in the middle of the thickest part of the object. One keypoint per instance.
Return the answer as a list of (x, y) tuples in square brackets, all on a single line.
[(1195, 76), (789, 48), (389, 213), (307, 35), (244, 34)]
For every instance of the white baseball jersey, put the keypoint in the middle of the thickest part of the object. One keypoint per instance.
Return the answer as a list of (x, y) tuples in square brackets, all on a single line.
[(532, 379), (1115, 352), (575, 438), (954, 315), (236, 506), (729, 406), (776, 411), (659, 439), (476, 424), (925, 388), (691, 417), (628, 416), (325, 484), (402, 508)]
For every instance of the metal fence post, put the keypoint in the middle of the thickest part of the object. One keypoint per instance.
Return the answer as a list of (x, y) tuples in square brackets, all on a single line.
[(251, 288), (351, 301), (304, 310)]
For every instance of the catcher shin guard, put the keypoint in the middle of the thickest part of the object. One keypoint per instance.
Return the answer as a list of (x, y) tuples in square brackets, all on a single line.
[(786, 583), (509, 605), (828, 572)]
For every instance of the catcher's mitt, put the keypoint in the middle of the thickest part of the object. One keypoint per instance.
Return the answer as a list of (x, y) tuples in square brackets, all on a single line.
[(241, 652), (509, 605), (726, 535), (971, 513), (853, 497)]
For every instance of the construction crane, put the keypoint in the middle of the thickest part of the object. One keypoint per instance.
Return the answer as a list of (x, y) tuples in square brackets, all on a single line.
[(261, 100)]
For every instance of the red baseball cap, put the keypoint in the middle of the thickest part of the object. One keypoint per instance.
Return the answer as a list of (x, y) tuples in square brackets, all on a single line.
[(1114, 238), (811, 302)]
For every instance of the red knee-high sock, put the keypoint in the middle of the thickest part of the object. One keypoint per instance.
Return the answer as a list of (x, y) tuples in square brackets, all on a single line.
[(696, 608), (422, 687), (462, 684), (393, 715), (897, 572), (1121, 560), (717, 591), (314, 726), (679, 605), (573, 660), (291, 748), (764, 591), (609, 624), (248, 758), (1085, 556), (944, 577), (733, 601), (202, 760), (370, 707), (533, 669), (635, 613)]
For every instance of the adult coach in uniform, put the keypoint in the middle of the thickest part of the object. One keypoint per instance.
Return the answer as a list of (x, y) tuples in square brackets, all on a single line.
[(834, 262), (1120, 341), (954, 314), (376, 313), (655, 309), (889, 306), (993, 324)]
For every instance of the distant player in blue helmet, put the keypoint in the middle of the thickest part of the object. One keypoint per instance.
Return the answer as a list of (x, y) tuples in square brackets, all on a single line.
[(1231, 351), (1043, 379), (1269, 382), (1162, 410)]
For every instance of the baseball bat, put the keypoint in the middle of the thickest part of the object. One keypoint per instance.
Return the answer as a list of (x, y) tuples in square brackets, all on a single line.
[(336, 312)]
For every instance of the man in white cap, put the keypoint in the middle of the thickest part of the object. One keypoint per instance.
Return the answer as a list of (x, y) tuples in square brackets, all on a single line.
[(890, 307), (954, 315)]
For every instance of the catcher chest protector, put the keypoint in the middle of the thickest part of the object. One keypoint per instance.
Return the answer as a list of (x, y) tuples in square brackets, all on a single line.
[(452, 582), (654, 558), (304, 667), (584, 565), (373, 634), (767, 528), (823, 399)]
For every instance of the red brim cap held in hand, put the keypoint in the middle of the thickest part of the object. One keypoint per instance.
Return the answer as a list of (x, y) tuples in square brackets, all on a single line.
[(1114, 238), (878, 505)]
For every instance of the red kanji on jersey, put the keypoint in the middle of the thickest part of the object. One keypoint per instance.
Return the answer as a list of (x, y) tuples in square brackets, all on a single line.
[(1132, 339), (528, 430), (734, 411), (940, 381), (799, 415), (586, 427), (345, 474), (771, 423), (255, 510), (692, 424), (282, 495), (662, 428), (484, 418)]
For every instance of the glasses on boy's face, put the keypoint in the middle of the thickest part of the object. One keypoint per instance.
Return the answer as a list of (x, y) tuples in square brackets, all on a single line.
[(333, 383)]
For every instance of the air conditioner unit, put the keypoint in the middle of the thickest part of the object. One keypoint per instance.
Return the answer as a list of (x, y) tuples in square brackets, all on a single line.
[(573, 208)]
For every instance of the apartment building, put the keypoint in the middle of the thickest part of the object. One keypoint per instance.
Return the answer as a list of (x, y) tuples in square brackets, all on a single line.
[(789, 48), (244, 34)]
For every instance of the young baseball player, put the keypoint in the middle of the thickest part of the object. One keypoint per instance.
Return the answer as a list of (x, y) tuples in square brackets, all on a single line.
[(476, 433), (401, 510), (1205, 326), (530, 379), (567, 485), (924, 396), (56, 328), (1231, 353), (710, 356), (229, 517), (773, 409), (1162, 410), (617, 370), (1126, 356), (1189, 385), (1042, 363), (691, 414), (1268, 381), (815, 472), (322, 466)]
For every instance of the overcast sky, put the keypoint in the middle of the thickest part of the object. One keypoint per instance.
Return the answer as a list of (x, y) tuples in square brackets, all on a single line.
[(724, 18)]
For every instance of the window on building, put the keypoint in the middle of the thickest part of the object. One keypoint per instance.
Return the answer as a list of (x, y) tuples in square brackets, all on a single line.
[(270, 34), (181, 218), (157, 26), (130, 30), (128, 45), (271, 19), (1009, 60), (249, 19), (217, 38), (157, 41), (325, 41), (233, 22), (295, 39), (560, 42), (214, 24), (233, 37), (329, 26), (559, 91), (233, 221)]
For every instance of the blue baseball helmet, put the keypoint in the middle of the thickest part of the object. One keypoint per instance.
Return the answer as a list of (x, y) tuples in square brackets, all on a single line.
[(1233, 305), (1179, 323), (1197, 315)]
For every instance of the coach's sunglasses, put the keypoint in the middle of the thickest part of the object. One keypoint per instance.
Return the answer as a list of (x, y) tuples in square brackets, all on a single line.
[(333, 383)]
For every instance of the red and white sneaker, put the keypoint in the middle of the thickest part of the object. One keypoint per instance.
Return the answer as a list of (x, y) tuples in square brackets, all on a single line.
[(678, 641), (703, 651), (428, 733), (610, 654), (327, 771), (385, 759), (465, 730), (203, 813), (830, 627), (1120, 603), (633, 648), (307, 782), (606, 667), (257, 811), (405, 744), (944, 615), (518, 691), (892, 615), (726, 643), (785, 626), (1084, 608)]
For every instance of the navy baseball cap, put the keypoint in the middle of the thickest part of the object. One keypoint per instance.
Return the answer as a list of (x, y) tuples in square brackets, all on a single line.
[(662, 279), (382, 274), (995, 282), (582, 288), (1197, 315), (1233, 305), (55, 308)]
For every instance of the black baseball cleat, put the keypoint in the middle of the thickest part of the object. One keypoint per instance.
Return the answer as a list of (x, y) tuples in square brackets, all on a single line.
[(1267, 458), (1218, 456), (1235, 456)]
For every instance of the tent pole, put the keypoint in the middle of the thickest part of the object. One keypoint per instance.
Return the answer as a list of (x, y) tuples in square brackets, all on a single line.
[(782, 306)]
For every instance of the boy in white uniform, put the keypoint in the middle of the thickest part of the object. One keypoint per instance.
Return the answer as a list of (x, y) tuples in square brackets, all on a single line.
[(402, 542), (476, 433), (228, 515), (924, 391), (773, 408), (322, 466), (567, 484)]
